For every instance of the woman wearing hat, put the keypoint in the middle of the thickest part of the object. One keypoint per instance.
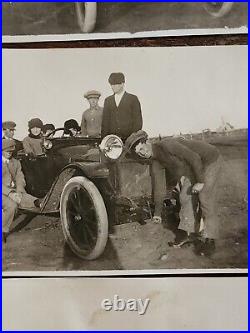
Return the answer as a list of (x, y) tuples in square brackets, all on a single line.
[(72, 128), (32, 144), (48, 130)]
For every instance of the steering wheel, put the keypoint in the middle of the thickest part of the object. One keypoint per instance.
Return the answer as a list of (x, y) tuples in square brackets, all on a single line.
[(48, 136)]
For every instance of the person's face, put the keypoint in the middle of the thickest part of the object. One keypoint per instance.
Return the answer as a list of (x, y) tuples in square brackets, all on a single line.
[(36, 131), (144, 149), (117, 88), (48, 133), (93, 102), (9, 133), (73, 131), (7, 154)]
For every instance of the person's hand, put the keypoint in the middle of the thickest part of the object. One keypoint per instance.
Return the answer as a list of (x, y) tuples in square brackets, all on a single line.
[(17, 197), (157, 219), (31, 156), (197, 187)]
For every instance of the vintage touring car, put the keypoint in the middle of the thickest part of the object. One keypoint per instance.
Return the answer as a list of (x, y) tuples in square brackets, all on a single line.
[(93, 183), (86, 12)]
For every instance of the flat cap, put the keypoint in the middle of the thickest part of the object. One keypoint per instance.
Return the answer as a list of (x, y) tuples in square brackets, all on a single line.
[(8, 145), (35, 122), (135, 138), (92, 94), (116, 78), (8, 125)]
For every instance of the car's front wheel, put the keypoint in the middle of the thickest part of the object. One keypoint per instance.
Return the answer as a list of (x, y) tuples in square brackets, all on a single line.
[(84, 218), (218, 9), (86, 15)]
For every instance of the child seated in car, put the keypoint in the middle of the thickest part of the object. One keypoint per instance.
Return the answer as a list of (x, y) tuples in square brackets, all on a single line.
[(32, 144), (48, 130), (72, 128)]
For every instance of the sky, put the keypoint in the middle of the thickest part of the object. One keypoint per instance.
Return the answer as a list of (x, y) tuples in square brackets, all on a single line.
[(181, 89)]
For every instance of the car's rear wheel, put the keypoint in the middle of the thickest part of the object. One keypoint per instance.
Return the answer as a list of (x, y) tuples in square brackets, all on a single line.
[(84, 218), (218, 9), (86, 15)]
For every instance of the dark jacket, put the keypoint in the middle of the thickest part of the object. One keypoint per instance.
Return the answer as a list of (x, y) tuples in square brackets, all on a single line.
[(178, 158), (185, 158), (124, 119)]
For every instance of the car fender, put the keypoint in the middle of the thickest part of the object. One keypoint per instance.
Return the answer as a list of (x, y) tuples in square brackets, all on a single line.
[(91, 170)]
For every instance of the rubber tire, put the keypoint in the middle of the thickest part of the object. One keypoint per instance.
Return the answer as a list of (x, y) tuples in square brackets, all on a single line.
[(101, 212), (86, 20), (226, 7)]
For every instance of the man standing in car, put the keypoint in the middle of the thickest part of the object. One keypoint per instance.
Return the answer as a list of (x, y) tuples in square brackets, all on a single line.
[(122, 111)]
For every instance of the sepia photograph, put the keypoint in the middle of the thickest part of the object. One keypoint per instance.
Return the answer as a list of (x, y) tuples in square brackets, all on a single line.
[(120, 160), (41, 21)]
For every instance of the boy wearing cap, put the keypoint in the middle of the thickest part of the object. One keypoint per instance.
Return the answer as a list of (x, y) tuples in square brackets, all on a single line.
[(13, 187), (92, 117), (200, 164), (32, 144), (122, 111), (9, 128)]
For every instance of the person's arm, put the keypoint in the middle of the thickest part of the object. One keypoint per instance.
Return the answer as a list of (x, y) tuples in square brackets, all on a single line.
[(6, 190), (100, 120), (192, 158), (84, 126), (19, 145), (20, 181), (105, 120), (136, 115), (159, 186), (28, 149)]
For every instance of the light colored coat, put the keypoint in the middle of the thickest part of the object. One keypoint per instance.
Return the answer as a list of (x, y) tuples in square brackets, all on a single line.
[(13, 180), (12, 177), (92, 122)]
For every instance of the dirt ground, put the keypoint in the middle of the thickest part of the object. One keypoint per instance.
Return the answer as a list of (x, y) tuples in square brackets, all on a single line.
[(60, 18), (38, 245)]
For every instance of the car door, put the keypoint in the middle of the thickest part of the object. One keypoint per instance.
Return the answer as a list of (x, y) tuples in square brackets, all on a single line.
[(39, 174)]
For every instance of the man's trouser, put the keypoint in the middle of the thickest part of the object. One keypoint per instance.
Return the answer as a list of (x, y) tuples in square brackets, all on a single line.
[(208, 202), (9, 208), (189, 211), (208, 198)]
